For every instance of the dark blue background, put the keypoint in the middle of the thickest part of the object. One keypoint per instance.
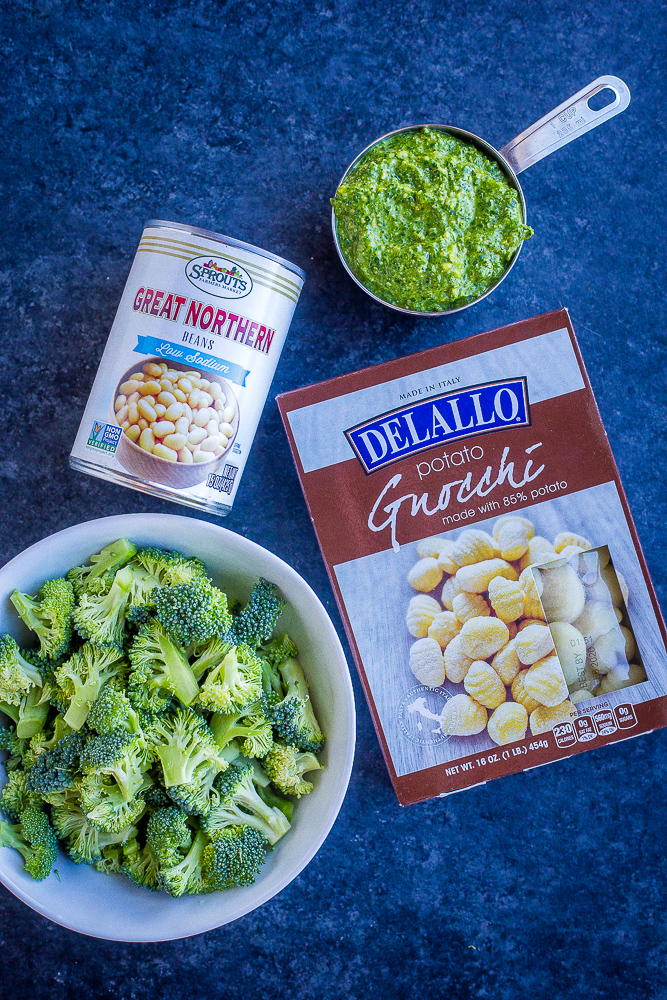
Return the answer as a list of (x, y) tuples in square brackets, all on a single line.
[(240, 117)]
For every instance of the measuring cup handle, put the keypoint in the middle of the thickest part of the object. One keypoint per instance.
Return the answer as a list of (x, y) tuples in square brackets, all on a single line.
[(566, 122)]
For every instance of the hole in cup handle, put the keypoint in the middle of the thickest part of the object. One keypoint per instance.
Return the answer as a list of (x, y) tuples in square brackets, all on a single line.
[(602, 99)]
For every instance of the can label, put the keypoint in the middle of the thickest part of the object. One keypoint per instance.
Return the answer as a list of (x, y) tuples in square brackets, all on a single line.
[(187, 366)]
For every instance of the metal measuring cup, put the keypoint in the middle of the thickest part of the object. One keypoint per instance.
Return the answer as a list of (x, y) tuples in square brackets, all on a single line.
[(568, 121)]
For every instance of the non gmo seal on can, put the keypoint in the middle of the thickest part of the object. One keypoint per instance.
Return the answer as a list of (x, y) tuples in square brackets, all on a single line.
[(187, 367)]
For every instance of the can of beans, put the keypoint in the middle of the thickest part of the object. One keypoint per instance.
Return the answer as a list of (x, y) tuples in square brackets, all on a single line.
[(187, 367)]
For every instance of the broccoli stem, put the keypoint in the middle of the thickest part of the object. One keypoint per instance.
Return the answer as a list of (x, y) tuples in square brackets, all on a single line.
[(32, 714), (178, 670), (77, 713)]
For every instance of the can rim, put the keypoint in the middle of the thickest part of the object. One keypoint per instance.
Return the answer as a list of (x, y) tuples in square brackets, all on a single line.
[(229, 240)]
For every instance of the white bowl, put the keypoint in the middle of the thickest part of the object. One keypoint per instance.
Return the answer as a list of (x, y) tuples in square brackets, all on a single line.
[(111, 906)]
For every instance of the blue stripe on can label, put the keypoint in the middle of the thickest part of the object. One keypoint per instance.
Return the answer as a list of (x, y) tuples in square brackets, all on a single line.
[(161, 348)]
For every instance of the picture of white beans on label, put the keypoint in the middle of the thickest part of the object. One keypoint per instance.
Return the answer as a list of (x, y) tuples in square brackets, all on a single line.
[(175, 415)]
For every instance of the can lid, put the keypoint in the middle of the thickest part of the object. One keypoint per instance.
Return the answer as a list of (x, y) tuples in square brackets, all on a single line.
[(229, 240)]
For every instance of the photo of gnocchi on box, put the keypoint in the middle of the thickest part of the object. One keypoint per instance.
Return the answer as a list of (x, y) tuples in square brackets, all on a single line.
[(522, 628), (483, 556)]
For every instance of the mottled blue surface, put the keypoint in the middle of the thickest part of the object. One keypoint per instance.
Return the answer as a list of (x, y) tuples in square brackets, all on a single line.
[(240, 117)]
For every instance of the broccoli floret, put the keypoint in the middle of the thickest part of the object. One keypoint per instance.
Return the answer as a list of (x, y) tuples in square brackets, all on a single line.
[(48, 615), (82, 677), (105, 805), (258, 619), (54, 770), (240, 803), (199, 796), (115, 857), (192, 613), (279, 650), (234, 683), (160, 666), (156, 797), (294, 717), (142, 867), (15, 796), (186, 876), (250, 726), (121, 756), (46, 740), (234, 856), (16, 748), (96, 575), (183, 743), (168, 836), (100, 618), (35, 839), (171, 568), (211, 654), (17, 675), (113, 710), (84, 842), (286, 765)]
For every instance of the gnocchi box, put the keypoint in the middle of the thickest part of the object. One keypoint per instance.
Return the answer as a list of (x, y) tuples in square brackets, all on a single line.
[(483, 556)]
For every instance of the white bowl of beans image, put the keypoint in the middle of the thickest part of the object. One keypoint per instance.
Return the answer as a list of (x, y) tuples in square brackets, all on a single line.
[(178, 422)]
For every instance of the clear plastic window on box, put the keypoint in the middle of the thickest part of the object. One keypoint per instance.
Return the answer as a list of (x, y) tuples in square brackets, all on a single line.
[(584, 601)]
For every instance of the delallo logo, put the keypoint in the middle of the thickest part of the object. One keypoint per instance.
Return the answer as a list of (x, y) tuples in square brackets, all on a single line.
[(479, 409), (219, 276)]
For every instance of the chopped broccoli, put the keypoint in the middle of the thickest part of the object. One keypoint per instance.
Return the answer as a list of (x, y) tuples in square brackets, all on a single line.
[(183, 743), (106, 806), (95, 576), (142, 586), (198, 796), (211, 654), (250, 726), (168, 836), (83, 676), (54, 770), (17, 675), (16, 748), (46, 740), (187, 874), (15, 797), (192, 612), (142, 867), (234, 856), (156, 797), (279, 650), (35, 839), (160, 666), (138, 725), (48, 615), (100, 618), (294, 717), (171, 568), (240, 803), (258, 619), (84, 842), (113, 710), (268, 796), (286, 765), (234, 683), (31, 713), (121, 756)]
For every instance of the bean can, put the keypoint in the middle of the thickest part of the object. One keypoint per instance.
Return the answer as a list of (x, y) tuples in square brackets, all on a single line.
[(187, 367)]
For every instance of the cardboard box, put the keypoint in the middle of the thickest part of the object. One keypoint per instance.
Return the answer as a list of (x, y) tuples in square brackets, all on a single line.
[(481, 471)]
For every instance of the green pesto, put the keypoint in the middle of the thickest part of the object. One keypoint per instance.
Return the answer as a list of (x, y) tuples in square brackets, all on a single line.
[(428, 222)]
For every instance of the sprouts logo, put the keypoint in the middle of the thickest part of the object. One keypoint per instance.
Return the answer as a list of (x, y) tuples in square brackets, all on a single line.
[(219, 276)]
